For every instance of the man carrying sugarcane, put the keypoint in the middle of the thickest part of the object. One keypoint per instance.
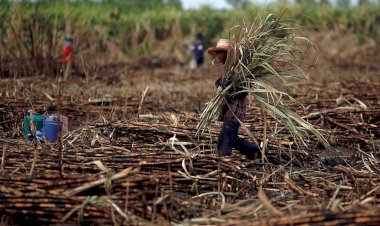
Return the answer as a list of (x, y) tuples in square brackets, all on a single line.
[(263, 52), (233, 111)]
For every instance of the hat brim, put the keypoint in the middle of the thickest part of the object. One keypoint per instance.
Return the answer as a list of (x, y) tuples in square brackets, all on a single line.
[(212, 50)]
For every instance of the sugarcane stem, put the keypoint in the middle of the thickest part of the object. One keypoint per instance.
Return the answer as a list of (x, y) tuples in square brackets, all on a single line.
[(264, 137)]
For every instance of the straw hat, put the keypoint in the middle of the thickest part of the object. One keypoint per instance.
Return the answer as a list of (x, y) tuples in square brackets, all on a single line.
[(223, 44)]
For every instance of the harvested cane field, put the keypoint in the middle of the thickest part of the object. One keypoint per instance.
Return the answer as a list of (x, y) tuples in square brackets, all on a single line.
[(128, 160), (132, 155)]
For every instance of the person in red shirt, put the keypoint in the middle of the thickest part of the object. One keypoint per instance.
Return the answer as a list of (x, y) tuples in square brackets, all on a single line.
[(68, 53)]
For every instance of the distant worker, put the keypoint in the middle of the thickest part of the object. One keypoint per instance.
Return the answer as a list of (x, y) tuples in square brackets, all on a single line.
[(68, 53), (198, 47)]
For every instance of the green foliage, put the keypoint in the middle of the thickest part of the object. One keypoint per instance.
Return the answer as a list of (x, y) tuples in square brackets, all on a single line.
[(238, 3), (118, 15), (210, 23), (134, 25), (343, 3)]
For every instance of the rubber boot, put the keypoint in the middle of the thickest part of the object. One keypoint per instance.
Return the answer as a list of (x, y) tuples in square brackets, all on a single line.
[(227, 137), (251, 150)]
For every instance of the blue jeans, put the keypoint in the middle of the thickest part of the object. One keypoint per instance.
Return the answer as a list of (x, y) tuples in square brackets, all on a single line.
[(228, 139)]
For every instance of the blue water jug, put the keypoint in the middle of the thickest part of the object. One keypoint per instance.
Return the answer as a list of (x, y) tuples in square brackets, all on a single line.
[(51, 129)]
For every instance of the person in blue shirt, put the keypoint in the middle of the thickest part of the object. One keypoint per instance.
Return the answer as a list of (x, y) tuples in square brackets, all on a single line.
[(198, 48)]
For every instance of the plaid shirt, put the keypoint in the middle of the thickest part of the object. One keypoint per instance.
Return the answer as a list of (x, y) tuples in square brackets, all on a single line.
[(235, 107)]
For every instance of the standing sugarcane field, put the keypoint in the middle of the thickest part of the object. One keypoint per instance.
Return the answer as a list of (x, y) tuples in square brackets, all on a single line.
[(160, 112)]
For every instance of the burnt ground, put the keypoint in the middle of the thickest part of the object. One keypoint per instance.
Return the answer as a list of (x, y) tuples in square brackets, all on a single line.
[(134, 158)]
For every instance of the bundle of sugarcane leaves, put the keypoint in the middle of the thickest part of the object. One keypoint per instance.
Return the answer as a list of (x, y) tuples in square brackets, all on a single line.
[(263, 52)]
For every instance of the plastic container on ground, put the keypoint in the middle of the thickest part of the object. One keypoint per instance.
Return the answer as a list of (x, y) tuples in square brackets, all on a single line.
[(50, 127), (37, 122)]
